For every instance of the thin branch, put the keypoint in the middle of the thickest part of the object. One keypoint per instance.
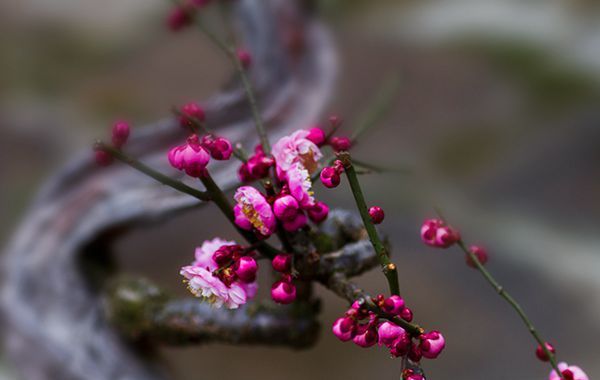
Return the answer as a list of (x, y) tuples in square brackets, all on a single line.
[(388, 268), (162, 178)]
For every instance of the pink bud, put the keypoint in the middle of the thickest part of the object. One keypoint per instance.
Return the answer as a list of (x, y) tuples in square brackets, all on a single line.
[(102, 157), (429, 231), (259, 165), (222, 256), (282, 263), (409, 374), (283, 292), (432, 344), (286, 208), (316, 135), (340, 143), (481, 255), (296, 223), (414, 353), (541, 354), (446, 236), (329, 177), (344, 328), (178, 19), (220, 149), (401, 346), (120, 133), (245, 268), (377, 214), (244, 174), (388, 333), (244, 57), (318, 212), (393, 305), (335, 121), (406, 314), (191, 111), (366, 336), (195, 159), (568, 372)]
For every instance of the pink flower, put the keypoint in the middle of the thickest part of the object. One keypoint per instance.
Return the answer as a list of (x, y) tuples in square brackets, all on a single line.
[(432, 344), (393, 305), (481, 255), (541, 354), (377, 215), (295, 224), (283, 291), (245, 268), (253, 211), (318, 212), (389, 333), (282, 263), (190, 157), (300, 186), (366, 335), (203, 284), (120, 133), (569, 372), (286, 207), (316, 135), (296, 149), (344, 329), (436, 234)]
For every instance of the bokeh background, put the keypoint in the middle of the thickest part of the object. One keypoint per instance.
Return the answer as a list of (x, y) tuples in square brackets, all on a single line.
[(496, 117)]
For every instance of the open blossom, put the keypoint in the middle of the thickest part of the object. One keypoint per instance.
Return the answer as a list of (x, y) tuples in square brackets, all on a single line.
[(300, 186), (230, 285), (436, 233), (569, 372), (296, 149), (253, 211)]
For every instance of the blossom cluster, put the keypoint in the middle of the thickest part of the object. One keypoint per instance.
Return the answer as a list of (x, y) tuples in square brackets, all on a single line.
[(367, 328)]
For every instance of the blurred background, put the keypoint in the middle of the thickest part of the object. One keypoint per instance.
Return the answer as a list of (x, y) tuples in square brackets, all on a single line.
[(496, 117)]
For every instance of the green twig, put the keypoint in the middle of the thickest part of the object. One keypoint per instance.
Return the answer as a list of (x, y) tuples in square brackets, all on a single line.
[(388, 268)]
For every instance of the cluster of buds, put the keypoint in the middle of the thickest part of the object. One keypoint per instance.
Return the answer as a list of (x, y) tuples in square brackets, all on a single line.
[(436, 233), (223, 273), (256, 167), (283, 291), (365, 329), (193, 156), (119, 136)]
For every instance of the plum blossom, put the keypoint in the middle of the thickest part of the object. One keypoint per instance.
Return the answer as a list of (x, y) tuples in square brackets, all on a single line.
[(253, 211), (568, 372), (296, 149)]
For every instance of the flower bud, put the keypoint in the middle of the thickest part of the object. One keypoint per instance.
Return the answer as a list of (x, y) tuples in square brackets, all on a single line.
[(318, 212), (191, 111), (259, 165), (414, 353), (481, 255), (283, 292), (329, 177), (245, 268), (377, 215), (541, 354), (429, 231), (393, 305), (282, 263), (340, 143), (120, 133), (296, 223), (222, 256), (178, 18), (446, 236), (366, 336), (406, 314), (568, 372), (316, 135), (401, 346), (220, 149), (244, 174), (102, 157), (244, 57), (409, 374), (389, 333), (344, 329), (432, 344), (286, 208)]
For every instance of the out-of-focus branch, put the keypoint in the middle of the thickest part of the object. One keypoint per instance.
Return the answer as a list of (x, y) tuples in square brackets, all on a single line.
[(141, 310)]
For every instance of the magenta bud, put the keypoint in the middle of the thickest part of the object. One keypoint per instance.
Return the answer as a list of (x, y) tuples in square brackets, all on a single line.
[(296, 223), (102, 157), (316, 135), (335, 121), (178, 18), (389, 333), (286, 208), (282, 263), (541, 354), (446, 236), (393, 305), (377, 214), (406, 314), (244, 174), (318, 212), (432, 344), (366, 336), (283, 292), (414, 353), (259, 165), (189, 111), (222, 256), (344, 328), (221, 149), (481, 255), (329, 177), (244, 57), (245, 268), (340, 143), (120, 133)]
